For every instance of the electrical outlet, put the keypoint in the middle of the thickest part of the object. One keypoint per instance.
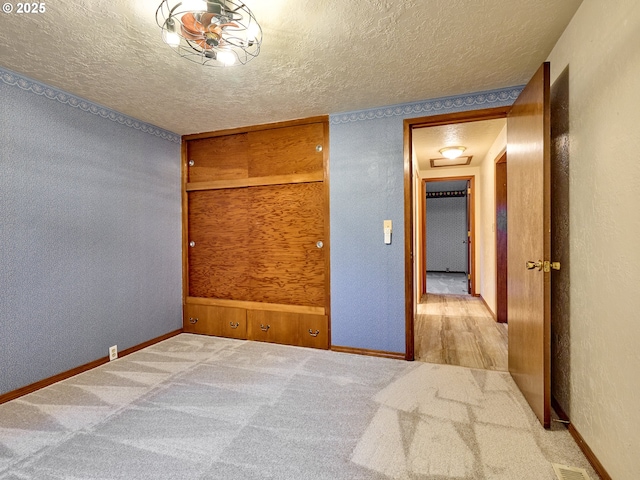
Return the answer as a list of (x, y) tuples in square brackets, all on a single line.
[(113, 352)]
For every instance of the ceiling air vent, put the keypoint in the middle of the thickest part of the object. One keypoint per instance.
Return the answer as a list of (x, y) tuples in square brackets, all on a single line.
[(570, 473)]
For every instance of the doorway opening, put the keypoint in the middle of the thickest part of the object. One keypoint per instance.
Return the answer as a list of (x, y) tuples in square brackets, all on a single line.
[(448, 232), (416, 232)]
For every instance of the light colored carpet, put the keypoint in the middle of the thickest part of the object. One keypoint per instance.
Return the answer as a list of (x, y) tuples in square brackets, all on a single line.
[(447, 282), (196, 407)]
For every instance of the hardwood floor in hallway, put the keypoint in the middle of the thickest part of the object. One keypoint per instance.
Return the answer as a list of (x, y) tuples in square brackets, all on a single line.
[(459, 330)]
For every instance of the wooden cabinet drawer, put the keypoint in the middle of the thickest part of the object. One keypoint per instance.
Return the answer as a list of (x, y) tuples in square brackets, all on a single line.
[(275, 327), (313, 331), (288, 328), (213, 320)]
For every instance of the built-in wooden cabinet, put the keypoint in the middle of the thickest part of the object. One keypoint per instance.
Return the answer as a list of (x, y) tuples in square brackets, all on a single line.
[(256, 233)]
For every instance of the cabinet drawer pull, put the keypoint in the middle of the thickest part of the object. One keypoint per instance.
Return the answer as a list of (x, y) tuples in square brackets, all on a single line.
[(193, 321), (263, 328), (314, 334), (234, 325)]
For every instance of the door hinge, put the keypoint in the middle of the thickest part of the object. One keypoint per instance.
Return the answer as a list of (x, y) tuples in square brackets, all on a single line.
[(469, 234), (468, 276)]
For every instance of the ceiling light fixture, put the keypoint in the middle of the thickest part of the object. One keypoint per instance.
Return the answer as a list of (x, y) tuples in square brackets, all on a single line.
[(452, 152), (210, 32)]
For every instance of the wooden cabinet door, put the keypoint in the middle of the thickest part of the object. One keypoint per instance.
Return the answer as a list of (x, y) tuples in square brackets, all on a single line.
[(286, 263), (218, 158), (286, 151), (218, 250)]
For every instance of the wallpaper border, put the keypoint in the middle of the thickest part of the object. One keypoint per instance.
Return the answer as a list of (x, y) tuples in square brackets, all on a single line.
[(430, 106), (15, 79)]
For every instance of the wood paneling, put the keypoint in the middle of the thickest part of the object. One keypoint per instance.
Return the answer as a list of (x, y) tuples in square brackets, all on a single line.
[(218, 321), (219, 263), (285, 151), (286, 265), (528, 217), (218, 158)]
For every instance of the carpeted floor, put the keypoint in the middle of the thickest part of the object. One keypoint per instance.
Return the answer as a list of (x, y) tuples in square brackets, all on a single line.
[(196, 407), (447, 282)]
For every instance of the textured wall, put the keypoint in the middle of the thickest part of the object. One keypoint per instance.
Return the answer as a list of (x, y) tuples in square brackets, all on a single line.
[(600, 48), (367, 276), (446, 232), (90, 241), (486, 222), (561, 243)]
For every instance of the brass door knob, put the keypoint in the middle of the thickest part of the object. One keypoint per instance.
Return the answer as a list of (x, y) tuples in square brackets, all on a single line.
[(547, 266)]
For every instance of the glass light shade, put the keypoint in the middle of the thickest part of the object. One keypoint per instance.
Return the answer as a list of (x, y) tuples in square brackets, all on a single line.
[(452, 152)]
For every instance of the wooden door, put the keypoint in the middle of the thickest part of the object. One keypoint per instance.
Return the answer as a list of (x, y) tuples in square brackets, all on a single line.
[(501, 239), (468, 240), (528, 217)]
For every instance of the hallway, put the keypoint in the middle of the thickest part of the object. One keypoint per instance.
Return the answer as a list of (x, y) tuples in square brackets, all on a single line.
[(459, 330)]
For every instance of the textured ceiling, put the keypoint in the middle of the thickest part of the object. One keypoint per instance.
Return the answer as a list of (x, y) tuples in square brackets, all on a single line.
[(318, 56), (478, 137)]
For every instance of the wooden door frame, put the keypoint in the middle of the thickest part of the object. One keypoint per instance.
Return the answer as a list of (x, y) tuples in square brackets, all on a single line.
[(472, 226), (409, 244)]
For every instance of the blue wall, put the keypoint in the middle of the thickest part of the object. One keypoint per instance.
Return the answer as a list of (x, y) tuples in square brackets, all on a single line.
[(90, 240), (90, 245), (367, 187)]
